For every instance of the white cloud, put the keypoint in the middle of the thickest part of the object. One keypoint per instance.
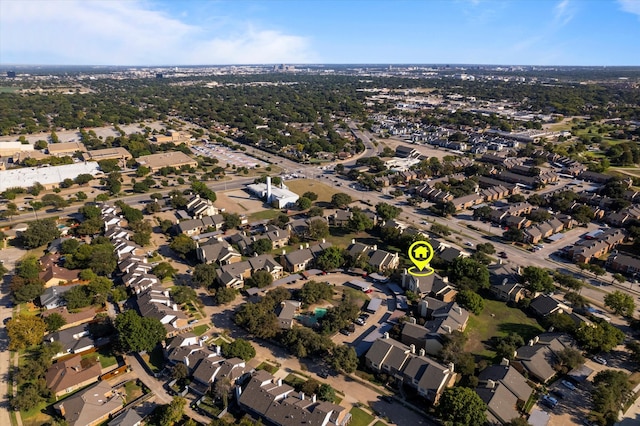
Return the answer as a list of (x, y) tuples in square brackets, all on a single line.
[(630, 6), (132, 33), (563, 12)]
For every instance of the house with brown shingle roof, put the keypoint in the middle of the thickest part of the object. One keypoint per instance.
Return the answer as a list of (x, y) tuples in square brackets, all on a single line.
[(74, 373)]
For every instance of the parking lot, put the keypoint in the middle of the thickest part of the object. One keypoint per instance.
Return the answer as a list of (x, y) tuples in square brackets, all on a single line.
[(226, 156)]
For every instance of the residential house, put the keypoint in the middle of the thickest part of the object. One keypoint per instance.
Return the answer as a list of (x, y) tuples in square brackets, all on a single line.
[(623, 264), (544, 305), (53, 274), (286, 313), (380, 260), (278, 404), (234, 274), (73, 373), (585, 250), (130, 417), (90, 406), (538, 357), (467, 201), (217, 251), (400, 361), (155, 302), (301, 259), (201, 207), (503, 389), (504, 283), (52, 298), (74, 340), (74, 318)]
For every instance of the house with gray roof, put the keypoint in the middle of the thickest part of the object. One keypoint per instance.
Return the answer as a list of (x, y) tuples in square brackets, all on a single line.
[(217, 251), (502, 388), (90, 406), (304, 257), (538, 357)]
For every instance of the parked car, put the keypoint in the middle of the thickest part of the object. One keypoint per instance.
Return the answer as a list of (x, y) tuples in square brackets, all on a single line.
[(600, 360), (360, 321), (503, 254), (558, 393), (345, 332), (549, 401), (567, 384)]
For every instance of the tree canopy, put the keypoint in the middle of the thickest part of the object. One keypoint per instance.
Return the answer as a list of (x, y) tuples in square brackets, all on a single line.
[(39, 233), (136, 333), (460, 406)]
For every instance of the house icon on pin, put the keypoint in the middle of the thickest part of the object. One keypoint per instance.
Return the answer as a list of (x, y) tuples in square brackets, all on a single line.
[(420, 252)]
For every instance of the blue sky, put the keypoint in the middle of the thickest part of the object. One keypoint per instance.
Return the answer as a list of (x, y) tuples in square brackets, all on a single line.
[(200, 32)]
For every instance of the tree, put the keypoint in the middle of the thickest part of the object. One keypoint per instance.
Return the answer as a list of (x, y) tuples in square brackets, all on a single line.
[(259, 279), (138, 334), (507, 345), (225, 295), (439, 229), (318, 228), (611, 393), (537, 279), (164, 270), (24, 331), (312, 196), (183, 294), (231, 220), (443, 208), (39, 233), (339, 168), (344, 358), (313, 292), (54, 322), (326, 393), (172, 413), (303, 203), (621, 303), (141, 238), (468, 273), (315, 211), (261, 246), (462, 407), (514, 234), (487, 248), (239, 348), (387, 211), (77, 298), (331, 258), (570, 358), (28, 397), (183, 245), (179, 371), (113, 183), (601, 338), (341, 200), (359, 221), (471, 301), (204, 275), (583, 214), (222, 389)]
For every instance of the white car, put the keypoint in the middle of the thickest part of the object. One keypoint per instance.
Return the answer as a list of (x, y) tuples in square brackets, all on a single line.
[(600, 360), (568, 385)]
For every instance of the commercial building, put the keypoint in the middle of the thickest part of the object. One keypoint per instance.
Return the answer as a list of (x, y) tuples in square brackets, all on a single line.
[(279, 197), (62, 149), (49, 177), (116, 153), (167, 159)]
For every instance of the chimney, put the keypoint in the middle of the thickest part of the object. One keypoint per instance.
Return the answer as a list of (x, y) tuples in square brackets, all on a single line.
[(531, 342), (324, 241), (536, 339), (384, 336), (277, 234), (445, 279), (353, 241), (284, 252), (302, 396), (268, 189), (301, 246), (451, 367), (375, 247), (491, 384), (412, 320), (412, 347), (175, 306), (279, 382), (313, 398), (504, 362), (447, 327), (458, 310), (307, 245), (421, 352)]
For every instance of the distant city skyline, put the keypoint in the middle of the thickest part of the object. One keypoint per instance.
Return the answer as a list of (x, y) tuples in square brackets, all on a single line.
[(200, 32)]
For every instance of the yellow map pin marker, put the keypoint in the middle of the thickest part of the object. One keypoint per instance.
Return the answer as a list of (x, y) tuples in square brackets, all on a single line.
[(420, 253)]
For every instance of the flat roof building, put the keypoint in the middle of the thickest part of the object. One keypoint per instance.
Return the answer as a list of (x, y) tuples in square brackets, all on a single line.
[(280, 197), (115, 153), (66, 148), (49, 177), (167, 159), (10, 148)]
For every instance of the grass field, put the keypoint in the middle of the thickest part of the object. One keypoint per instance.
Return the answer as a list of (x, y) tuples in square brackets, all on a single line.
[(505, 320), (199, 330), (359, 417), (106, 358), (300, 186), (5, 89), (133, 390), (293, 380), (264, 214), (268, 367)]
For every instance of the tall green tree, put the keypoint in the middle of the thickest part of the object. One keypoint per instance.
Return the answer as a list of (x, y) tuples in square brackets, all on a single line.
[(621, 303), (39, 233), (460, 406), (136, 333)]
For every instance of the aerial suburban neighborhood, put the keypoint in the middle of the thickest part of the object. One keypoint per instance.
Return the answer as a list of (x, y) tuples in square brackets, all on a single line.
[(229, 245)]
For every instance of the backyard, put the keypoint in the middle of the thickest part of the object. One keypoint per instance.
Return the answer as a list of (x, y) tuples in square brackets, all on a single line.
[(498, 319)]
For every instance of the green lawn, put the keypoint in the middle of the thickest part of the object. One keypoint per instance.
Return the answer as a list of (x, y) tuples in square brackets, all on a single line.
[(155, 359), (264, 215), (200, 329), (300, 186), (293, 380), (133, 390), (268, 367), (107, 359), (505, 320), (360, 417)]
